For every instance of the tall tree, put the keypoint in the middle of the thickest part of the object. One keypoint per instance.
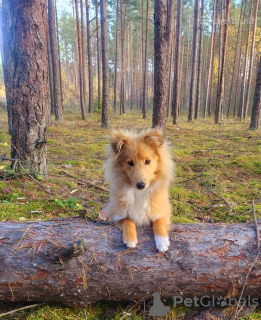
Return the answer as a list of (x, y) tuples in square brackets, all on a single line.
[(89, 49), (25, 44), (170, 26), (57, 93), (161, 42), (116, 58), (176, 82), (105, 66), (251, 59), (211, 60), (221, 79), (79, 45), (243, 84), (235, 59), (50, 76), (83, 47), (256, 110), (145, 71), (98, 52), (123, 69), (58, 45), (194, 63), (200, 52), (239, 62)]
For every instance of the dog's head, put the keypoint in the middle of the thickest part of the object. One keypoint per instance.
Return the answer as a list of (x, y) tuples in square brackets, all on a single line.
[(138, 155)]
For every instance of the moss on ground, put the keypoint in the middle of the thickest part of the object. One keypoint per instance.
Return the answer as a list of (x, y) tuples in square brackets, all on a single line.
[(217, 176)]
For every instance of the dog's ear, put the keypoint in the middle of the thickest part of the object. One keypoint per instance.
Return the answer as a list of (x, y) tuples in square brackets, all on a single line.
[(154, 137), (117, 141)]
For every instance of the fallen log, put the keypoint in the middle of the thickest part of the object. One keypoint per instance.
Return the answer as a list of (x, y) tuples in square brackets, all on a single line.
[(77, 262)]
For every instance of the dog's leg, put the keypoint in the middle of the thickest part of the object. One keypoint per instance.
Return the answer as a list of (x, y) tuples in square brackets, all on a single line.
[(160, 229), (129, 235)]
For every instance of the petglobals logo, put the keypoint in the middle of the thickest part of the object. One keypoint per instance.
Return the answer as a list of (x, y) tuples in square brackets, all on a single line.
[(211, 301)]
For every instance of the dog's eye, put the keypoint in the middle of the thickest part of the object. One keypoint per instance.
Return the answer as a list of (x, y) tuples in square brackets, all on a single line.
[(147, 161), (131, 163)]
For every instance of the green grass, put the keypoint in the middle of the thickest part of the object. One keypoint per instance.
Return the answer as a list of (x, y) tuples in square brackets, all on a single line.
[(216, 165)]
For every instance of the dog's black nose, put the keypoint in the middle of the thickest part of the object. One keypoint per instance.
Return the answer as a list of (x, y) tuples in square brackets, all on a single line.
[(140, 185)]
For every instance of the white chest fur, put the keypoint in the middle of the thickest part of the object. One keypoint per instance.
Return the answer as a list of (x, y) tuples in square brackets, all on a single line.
[(137, 205)]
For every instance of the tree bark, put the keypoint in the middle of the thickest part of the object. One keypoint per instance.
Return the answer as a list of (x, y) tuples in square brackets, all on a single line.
[(256, 110), (235, 59), (83, 47), (57, 94), (123, 69), (79, 43), (77, 262), (243, 84), (193, 63), (211, 60), (89, 48), (50, 76), (161, 45), (116, 60), (251, 59), (200, 52), (25, 43), (145, 71), (7, 58), (98, 53), (105, 66), (221, 79), (177, 78)]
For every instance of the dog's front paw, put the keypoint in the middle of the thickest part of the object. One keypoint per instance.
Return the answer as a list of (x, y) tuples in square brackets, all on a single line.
[(130, 242), (162, 243)]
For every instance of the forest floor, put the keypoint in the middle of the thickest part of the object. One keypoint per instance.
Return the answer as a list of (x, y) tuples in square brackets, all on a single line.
[(217, 177)]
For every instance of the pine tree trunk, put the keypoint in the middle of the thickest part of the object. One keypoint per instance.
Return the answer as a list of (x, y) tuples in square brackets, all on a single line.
[(123, 70), (176, 81), (222, 66), (7, 60), (170, 26), (251, 59), (256, 110), (239, 64), (116, 59), (89, 47), (145, 71), (161, 45), (57, 94), (83, 56), (211, 60), (243, 85), (50, 76), (59, 55), (131, 66), (105, 66), (235, 59), (98, 53), (79, 45), (199, 71), (194, 63), (25, 42)]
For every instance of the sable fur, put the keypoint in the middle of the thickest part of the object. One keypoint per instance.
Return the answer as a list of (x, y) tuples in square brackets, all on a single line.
[(153, 166)]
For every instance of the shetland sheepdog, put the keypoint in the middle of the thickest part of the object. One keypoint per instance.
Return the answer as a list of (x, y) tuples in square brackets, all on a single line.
[(139, 169)]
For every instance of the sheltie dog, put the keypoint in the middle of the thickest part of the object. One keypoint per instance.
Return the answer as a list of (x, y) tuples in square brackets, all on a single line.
[(139, 169)]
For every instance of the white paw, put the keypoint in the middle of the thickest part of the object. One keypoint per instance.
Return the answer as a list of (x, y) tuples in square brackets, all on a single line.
[(131, 244), (162, 243)]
